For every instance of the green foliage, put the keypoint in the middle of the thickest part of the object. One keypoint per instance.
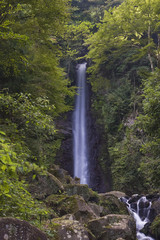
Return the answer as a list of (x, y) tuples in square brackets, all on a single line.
[(126, 46), (14, 198), (115, 106), (30, 52), (126, 158), (30, 121), (124, 40), (149, 124)]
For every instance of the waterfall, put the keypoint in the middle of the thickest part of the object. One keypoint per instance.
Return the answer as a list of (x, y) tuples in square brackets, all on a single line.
[(140, 210), (80, 149)]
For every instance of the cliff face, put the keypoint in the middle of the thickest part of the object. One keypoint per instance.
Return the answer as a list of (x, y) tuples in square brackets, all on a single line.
[(64, 156), (100, 176)]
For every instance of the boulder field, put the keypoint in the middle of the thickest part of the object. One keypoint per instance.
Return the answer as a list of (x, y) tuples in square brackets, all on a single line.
[(77, 212)]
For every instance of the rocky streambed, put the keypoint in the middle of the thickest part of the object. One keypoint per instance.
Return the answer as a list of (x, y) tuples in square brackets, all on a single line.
[(78, 213)]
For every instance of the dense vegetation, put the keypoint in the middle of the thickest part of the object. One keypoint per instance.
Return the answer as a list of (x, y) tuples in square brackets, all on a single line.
[(125, 78), (41, 41), (33, 93)]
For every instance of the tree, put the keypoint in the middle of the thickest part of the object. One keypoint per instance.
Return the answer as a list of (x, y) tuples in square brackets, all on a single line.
[(127, 34)]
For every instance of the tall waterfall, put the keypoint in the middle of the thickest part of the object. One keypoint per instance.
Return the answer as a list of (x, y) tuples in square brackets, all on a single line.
[(80, 129)]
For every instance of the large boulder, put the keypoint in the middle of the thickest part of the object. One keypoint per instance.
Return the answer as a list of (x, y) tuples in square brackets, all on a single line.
[(15, 229), (97, 209), (74, 205), (155, 209), (113, 227), (41, 186), (61, 174), (117, 194), (82, 190), (111, 204), (64, 229)]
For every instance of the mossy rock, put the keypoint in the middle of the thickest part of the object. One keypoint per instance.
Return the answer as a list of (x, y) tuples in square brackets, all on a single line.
[(97, 209), (155, 228), (112, 205), (82, 190), (14, 229), (61, 174), (112, 227), (69, 229), (74, 205), (41, 186)]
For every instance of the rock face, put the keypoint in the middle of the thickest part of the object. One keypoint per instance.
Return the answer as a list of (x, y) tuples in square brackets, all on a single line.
[(65, 154), (112, 227), (100, 180), (14, 229)]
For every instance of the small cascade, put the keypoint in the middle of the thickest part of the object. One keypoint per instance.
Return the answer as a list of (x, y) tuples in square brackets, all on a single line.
[(140, 209), (80, 148)]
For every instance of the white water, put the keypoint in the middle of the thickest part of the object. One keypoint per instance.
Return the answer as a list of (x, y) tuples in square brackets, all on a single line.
[(80, 129), (140, 223)]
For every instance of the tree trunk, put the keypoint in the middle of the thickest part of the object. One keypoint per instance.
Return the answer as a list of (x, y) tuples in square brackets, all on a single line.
[(149, 49), (158, 52)]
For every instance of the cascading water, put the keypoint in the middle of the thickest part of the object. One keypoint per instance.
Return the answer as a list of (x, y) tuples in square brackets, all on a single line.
[(140, 211), (80, 129)]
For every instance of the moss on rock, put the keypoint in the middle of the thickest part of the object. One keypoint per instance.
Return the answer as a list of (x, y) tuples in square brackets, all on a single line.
[(70, 229), (113, 226), (13, 229), (112, 205), (75, 205), (155, 227), (41, 186)]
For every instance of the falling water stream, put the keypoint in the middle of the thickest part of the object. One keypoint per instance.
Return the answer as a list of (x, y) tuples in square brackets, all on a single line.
[(140, 212), (80, 129)]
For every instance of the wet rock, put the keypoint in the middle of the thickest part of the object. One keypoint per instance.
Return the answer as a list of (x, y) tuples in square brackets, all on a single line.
[(42, 186), (15, 229), (145, 230), (69, 229), (134, 198), (153, 197), (134, 206), (74, 205), (112, 227)]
